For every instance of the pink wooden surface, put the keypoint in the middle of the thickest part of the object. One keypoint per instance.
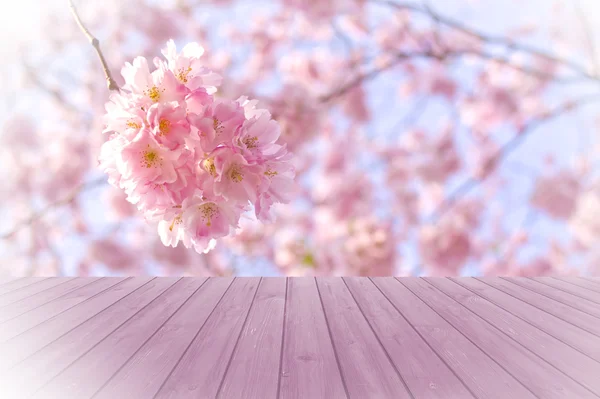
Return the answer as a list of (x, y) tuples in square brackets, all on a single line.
[(385, 337)]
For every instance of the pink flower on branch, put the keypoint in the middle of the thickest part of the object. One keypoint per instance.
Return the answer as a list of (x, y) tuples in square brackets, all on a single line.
[(189, 162)]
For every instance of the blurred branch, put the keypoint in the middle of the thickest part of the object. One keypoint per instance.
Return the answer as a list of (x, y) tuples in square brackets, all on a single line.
[(112, 85), (489, 39), (440, 56), (589, 36), (469, 184), (64, 201)]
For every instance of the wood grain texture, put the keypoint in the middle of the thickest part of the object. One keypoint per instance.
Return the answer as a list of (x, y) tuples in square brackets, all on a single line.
[(25, 305), (571, 289), (14, 285), (484, 377), (42, 366), (309, 366), (567, 313), (563, 357), (143, 375), (203, 366), (426, 374), (565, 332), (330, 338), (592, 283), (37, 316), (579, 282), (32, 340), (259, 346), (28, 291), (537, 375), (102, 359), (364, 362), (576, 302)]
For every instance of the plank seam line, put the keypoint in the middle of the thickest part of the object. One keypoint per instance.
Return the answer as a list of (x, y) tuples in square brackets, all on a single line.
[(505, 334), (535, 306), (237, 341), (149, 338), (42, 304), (193, 339), (468, 339), (560, 289), (10, 281), (595, 283), (576, 285), (379, 341), (337, 360), (69, 308), (109, 334), (547, 296), (25, 286), (423, 339), (32, 295), (532, 325), (74, 327), (287, 283)]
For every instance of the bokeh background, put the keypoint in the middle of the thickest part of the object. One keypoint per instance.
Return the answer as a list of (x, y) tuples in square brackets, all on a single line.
[(441, 137)]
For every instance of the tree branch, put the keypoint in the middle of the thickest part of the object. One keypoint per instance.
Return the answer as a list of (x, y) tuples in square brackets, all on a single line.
[(112, 85), (488, 38), (64, 201), (470, 183)]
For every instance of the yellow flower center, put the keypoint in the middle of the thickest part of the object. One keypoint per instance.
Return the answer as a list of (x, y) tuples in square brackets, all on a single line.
[(217, 126), (235, 174), (133, 125), (251, 142), (209, 166), (182, 74), (208, 211), (164, 126), (270, 173), (177, 220), (150, 158), (154, 93)]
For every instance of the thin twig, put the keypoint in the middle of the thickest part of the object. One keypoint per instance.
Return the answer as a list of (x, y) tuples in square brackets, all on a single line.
[(472, 182), (589, 36), (489, 39), (64, 201), (112, 85)]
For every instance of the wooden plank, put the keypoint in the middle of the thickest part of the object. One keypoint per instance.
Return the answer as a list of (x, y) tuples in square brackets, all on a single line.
[(143, 375), (366, 367), (594, 282), (87, 363), (570, 288), (540, 377), (485, 378), (41, 298), (571, 315), (203, 366), (309, 367), (575, 364), (8, 279), (29, 342), (26, 321), (580, 282), (30, 290), (567, 333), (583, 305), (20, 283), (425, 373), (254, 367)]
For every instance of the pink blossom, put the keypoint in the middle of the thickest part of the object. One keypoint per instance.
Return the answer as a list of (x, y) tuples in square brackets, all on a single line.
[(218, 124), (556, 194), (188, 67), (169, 124)]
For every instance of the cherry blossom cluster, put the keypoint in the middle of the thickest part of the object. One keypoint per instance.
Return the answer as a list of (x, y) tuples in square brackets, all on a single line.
[(188, 160)]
